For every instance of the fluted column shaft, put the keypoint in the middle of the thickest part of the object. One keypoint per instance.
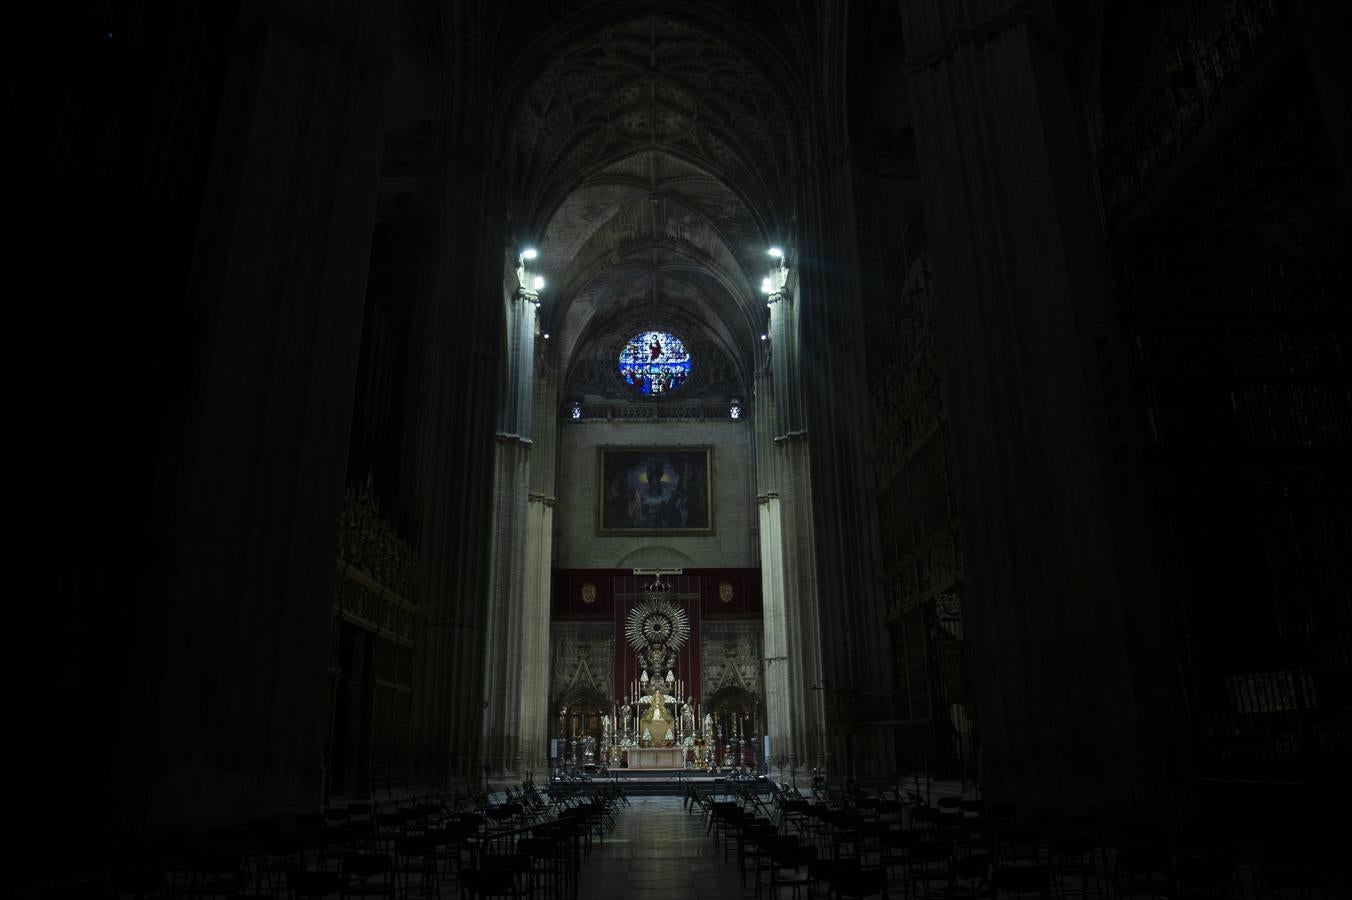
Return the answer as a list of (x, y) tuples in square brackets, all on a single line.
[(774, 634), (254, 460), (505, 665), (792, 642), (535, 652), (849, 611), (459, 359), (1057, 588)]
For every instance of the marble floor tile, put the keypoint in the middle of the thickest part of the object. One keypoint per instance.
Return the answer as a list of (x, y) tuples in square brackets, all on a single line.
[(659, 852)]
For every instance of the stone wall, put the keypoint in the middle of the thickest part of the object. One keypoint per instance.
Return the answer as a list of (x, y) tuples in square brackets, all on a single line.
[(733, 542)]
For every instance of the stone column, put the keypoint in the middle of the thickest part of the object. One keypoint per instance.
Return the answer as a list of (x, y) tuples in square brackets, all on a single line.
[(251, 482), (535, 646), (793, 653), (503, 666), (850, 612), (807, 713), (774, 639), (1058, 592), (458, 361)]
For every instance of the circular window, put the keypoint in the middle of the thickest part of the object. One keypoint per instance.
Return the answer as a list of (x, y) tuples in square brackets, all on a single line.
[(654, 363)]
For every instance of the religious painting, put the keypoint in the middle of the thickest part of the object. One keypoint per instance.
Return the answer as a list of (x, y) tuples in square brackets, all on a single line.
[(655, 490)]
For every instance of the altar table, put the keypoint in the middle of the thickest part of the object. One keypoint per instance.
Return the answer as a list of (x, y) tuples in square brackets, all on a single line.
[(656, 757)]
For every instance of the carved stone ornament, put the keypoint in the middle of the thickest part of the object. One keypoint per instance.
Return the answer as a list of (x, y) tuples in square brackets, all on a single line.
[(725, 591), (589, 593), (358, 600), (731, 656), (370, 543), (582, 658)]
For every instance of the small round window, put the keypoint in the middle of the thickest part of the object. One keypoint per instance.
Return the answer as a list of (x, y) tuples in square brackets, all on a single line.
[(654, 363)]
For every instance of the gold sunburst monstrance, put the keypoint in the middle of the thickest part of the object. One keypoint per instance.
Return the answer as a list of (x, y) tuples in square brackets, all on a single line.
[(656, 629), (657, 622)]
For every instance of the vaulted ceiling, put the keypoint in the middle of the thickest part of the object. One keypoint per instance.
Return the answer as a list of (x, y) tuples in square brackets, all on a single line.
[(648, 166)]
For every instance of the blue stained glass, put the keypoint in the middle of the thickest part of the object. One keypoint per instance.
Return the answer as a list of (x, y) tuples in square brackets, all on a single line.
[(654, 363)]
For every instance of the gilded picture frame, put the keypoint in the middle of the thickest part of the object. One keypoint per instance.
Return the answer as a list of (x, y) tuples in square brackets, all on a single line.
[(655, 490)]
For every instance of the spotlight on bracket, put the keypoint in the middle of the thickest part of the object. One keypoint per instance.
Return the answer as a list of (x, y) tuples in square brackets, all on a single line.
[(776, 252), (766, 286), (529, 253), (539, 282)]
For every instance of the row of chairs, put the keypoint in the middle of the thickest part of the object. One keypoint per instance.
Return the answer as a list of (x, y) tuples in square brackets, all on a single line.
[(870, 846), (423, 847), (543, 860)]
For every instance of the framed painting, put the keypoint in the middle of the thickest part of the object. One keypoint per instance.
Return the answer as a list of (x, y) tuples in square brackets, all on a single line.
[(655, 490)]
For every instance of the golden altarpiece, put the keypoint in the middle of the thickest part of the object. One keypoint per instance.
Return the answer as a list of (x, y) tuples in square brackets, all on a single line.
[(656, 724)]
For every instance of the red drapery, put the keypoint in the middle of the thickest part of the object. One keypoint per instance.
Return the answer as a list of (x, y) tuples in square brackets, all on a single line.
[(704, 594)]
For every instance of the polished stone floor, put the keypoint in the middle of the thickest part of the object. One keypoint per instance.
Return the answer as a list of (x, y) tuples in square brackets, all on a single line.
[(658, 852)]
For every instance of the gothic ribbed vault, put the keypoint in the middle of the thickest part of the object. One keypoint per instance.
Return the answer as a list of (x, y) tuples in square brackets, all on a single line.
[(647, 162)]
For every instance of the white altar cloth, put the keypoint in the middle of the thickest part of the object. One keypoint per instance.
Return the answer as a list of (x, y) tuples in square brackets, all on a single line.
[(656, 757)]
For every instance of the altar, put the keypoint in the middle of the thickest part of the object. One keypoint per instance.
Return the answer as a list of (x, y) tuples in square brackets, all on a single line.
[(656, 757)]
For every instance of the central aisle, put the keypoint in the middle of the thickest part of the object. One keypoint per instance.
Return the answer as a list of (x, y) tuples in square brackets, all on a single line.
[(658, 852)]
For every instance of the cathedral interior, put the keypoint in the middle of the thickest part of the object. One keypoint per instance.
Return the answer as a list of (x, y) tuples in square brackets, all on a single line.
[(968, 378)]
